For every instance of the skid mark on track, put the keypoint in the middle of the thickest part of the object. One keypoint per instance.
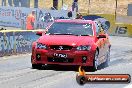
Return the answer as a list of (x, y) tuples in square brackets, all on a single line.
[(51, 80), (38, 75), (124, 57), (35, 77), (43, 77), (9, 77)]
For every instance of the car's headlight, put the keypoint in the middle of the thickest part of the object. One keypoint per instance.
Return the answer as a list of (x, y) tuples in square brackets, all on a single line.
[(84, 47), (41, 46)]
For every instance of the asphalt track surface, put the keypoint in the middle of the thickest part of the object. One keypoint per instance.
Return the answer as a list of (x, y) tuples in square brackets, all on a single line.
[(16, 72)]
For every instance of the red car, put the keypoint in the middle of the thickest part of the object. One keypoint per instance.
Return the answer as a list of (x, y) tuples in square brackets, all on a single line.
[(72, 42)]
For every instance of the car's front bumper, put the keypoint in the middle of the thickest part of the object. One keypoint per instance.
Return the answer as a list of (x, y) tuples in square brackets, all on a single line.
[(40, 56)]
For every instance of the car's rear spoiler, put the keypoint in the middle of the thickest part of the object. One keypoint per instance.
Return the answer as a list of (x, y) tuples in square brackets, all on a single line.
[(104, 22)]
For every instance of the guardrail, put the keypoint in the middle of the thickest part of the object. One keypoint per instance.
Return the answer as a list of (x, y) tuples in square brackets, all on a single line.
[(13, 42)]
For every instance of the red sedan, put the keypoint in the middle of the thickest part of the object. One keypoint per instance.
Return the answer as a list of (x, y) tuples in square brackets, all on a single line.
[(72, 42)]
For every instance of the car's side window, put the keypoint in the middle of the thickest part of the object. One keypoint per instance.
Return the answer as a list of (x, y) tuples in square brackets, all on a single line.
[(98, 28)]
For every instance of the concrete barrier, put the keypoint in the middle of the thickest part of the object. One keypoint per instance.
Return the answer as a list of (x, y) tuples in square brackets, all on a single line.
[(13, 42)]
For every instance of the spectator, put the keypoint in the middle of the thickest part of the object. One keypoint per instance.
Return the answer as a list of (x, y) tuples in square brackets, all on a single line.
[(40, 15), (10, 2), (48, 18), (79, 16), (52, 8), (16, 3), (55, 4), (61, 17), (3, 3), (75, 5), (40, 20), (30, 21), (69, 14)]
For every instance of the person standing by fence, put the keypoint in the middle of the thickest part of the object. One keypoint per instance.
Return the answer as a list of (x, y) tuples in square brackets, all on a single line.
[(30, 21), (79, 16), (75, 5)]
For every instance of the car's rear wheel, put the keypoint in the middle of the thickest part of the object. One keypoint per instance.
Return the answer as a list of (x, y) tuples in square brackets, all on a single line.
[(95, 61), (36, 66)]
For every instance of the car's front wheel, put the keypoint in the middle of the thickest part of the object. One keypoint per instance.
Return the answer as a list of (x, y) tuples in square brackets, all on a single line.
[(36, 66), (107, 58), (95, 61)]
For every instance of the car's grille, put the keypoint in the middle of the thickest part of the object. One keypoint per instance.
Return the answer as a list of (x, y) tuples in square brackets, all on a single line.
[(61, 60), (60, 47)]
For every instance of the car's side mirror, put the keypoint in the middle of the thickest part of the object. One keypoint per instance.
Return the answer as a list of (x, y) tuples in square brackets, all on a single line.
[(101, 36), (39, 33)]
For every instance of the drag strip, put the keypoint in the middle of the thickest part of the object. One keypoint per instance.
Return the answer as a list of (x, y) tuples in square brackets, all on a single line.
[(16, 72)]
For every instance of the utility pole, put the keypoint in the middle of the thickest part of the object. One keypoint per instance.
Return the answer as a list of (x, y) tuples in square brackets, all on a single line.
[(62, 2), (116, 9), (89, 6)]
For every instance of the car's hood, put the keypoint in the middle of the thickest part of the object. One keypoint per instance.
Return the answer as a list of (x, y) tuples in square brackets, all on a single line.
[(65, 40)]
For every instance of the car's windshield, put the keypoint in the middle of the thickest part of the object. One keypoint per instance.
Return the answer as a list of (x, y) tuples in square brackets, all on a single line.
[(78, 29)]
